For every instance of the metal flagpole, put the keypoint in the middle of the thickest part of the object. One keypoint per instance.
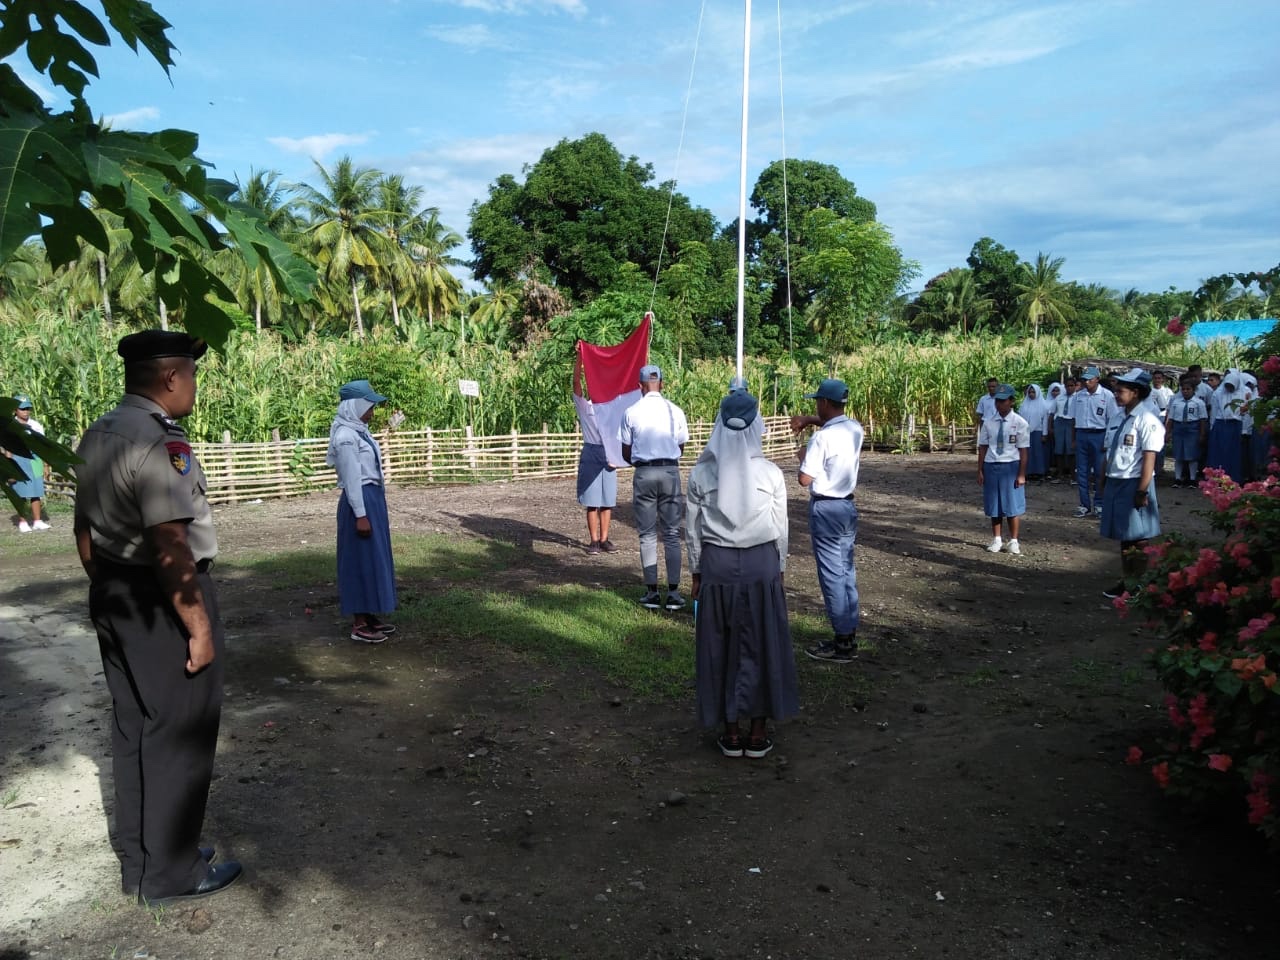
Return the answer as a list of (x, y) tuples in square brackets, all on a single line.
[(742, 178)]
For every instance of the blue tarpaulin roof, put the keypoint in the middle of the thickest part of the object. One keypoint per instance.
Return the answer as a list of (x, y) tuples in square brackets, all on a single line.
[(1245, 331)]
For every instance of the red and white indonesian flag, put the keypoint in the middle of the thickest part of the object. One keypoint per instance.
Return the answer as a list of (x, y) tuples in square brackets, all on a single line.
[(613, 382)]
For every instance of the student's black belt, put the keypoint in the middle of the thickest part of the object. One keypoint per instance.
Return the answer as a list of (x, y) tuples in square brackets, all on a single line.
[(819, 496), (125, 570), (1090, 429), (655, 463)]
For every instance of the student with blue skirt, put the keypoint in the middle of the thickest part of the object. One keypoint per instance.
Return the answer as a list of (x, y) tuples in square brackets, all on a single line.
[(1003, 442), (366, 572), (1188, 422), (1130, 510), (597, 477), (1225, 452)]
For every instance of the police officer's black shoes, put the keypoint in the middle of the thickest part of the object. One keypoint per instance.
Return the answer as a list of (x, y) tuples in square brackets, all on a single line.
[(218, 878), (840, 650)]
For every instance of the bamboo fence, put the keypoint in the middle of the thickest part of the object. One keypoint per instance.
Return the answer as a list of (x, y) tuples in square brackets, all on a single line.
[(241, 472)]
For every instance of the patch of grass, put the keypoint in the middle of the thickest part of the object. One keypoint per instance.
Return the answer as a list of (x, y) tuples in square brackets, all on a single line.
[(843, 684), (10, 798), (980, 677), (464, 558), (649, 654), (1088, 674)]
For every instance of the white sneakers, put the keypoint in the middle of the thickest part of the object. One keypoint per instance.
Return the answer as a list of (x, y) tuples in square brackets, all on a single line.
[(24, 527), (39, 525), (996, 545), (1013, 548)]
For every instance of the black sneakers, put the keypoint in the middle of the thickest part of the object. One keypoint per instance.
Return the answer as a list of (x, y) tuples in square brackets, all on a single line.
[(839, 650)]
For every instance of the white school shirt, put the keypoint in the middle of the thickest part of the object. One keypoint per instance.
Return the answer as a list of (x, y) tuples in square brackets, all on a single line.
[(1129, 436), (587, 420), (1161, 396), (986, 406), (1204, 392), (1092, 411), (1017, 436), (1062, 406), (654, 428), (1193, 408), (704, 523), (832, 458), (1250, 394)]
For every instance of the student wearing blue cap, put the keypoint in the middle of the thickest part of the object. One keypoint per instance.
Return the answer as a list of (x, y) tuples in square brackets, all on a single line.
[(1130, 510), (1092, 407), (1003, 443), (829, 470), (366, 570), (32, 488)]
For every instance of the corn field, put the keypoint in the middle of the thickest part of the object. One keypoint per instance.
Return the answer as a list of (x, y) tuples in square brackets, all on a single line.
[(261, 387)]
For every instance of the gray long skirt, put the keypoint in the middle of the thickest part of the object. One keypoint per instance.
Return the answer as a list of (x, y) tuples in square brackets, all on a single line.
[(746, 666)]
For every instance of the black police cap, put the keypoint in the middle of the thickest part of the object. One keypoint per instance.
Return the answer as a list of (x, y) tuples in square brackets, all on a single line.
[(154, 344)]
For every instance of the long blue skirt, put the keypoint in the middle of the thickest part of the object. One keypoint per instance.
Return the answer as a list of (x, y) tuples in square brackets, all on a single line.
[(1037, 455), (1000, 497), (597, 481), (366, 572), (1225, 452), (746, 667), (1121, 520)]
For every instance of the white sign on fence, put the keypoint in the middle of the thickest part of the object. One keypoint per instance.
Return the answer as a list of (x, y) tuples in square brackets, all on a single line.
[(469, 388)]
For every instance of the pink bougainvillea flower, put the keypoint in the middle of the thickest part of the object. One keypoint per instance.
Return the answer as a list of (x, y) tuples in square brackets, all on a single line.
[(1259, 806), (1256, 627), (1271, 366), (1134, 756), (1161, 772), (1220, 761), (1247, 668), (1209, 642), (1275, 588)]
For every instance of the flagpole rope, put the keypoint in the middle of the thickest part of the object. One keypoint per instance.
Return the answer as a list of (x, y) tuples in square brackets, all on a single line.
[(671, 194)]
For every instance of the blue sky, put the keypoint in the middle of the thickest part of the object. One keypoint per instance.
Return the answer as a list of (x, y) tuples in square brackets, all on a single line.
[(1138, 140)]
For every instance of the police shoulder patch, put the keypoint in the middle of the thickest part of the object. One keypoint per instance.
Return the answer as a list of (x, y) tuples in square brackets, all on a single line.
[(179, 455)]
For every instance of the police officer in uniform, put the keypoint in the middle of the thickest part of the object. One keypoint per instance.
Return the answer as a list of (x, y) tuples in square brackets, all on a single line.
[(145, 536)]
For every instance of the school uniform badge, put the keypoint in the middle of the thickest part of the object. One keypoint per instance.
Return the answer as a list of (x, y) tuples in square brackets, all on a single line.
[(179, 456)]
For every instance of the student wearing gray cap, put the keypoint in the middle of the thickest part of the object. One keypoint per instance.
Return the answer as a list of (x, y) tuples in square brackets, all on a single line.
[(653, 434), (1092, 406), (32, 488), (1130, 510), (145, 536), (829, 470)]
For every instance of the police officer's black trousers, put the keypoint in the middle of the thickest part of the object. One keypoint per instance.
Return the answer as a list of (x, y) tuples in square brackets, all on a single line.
[(166, 729)]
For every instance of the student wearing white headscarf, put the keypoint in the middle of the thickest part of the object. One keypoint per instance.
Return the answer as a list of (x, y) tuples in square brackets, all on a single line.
[(366, 571), (1225, 452), (736, 534), (1038, 413)]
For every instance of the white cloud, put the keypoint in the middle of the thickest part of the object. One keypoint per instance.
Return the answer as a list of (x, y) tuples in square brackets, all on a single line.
[(475, 36), (318, 145), (576, 8), (131, 119)]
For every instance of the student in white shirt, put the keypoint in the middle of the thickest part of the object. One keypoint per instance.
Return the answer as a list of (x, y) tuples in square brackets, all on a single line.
[(1091, 406), (1188, 423), (1224, 451), (986, 405), (32, 488), (1038, 413), (1003, 442), (1130, 510), (1063, 461), (597, 477), (737, 538)]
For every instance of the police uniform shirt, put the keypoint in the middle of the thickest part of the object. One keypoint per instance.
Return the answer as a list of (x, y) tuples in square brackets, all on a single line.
[(587, 420), (1129, 436), (1017, 436), (140, 471), (1189, 409), (654, 428), (1092, 411), (832, 458)]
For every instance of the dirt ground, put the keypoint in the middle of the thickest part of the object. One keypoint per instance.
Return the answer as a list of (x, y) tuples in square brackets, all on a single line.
[(958, 792)]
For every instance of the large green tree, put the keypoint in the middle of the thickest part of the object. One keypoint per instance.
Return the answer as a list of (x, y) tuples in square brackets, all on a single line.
[(996, 272), (582, 212)]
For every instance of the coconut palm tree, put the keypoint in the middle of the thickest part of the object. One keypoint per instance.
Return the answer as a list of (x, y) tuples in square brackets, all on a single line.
[(276, 203), (959, 299), (429, 245), (1042, 295), (399, 216), (343, 231)]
